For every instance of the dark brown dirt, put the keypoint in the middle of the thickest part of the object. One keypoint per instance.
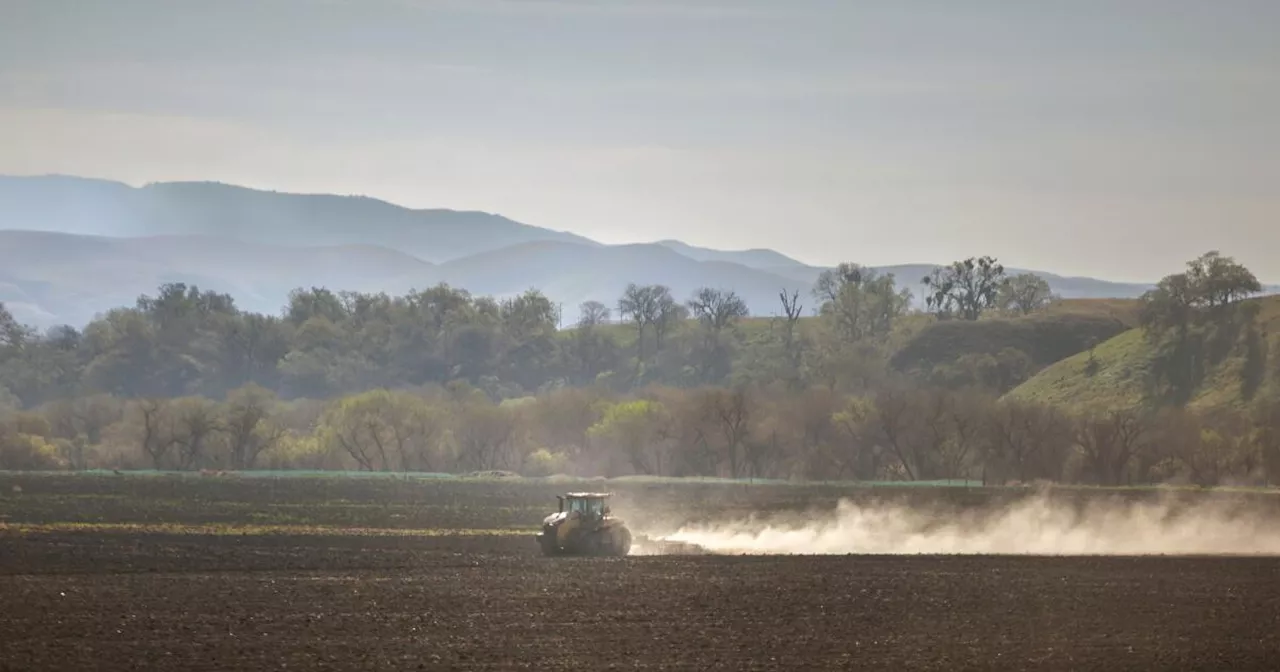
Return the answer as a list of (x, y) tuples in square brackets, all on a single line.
[(116, 601)]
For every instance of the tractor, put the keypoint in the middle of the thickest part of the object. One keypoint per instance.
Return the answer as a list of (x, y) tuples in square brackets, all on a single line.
[(584, 525)]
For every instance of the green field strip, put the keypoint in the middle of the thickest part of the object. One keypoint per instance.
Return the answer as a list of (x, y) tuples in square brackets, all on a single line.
[(253, 530)]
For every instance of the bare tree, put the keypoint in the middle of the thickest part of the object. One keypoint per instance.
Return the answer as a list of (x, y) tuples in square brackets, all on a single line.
[(592, 313), (1265, 417), (717, 309), (732, 413), (415, 432), (1108, 441), (965, 289), (1024, 441), (894, 421), (640, 305), (85, 417), (247, 425), (792, 309), (196, 422), (486, 435), (719, 422), (949, 426), (157, 439)]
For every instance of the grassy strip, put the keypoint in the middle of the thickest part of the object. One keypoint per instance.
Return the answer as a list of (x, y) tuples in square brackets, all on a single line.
[(574, 483), (250, 530)]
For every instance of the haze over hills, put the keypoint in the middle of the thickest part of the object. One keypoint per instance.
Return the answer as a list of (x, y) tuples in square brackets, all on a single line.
[(754, 258), (72, 247), (104, 208), (56, 278)]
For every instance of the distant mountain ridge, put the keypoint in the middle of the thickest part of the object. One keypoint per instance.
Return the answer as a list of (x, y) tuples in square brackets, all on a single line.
[(56, 278), (73, 247), (753, 258), (100, 207)]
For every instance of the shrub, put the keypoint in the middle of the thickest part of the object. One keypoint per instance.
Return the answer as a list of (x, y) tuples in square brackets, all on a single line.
[(543, 462), (28, 452)]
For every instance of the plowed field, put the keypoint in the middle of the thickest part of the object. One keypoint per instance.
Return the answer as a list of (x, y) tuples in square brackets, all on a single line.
[(119, 598), (118, 601)]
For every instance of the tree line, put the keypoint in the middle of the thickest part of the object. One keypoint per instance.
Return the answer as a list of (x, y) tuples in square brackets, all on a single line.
[(325, 343), (899, 432), (439, 380)]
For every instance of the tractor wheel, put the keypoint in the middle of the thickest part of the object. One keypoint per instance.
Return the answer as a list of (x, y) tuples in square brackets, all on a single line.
[(621, 541), (596, 544), (548, 544)]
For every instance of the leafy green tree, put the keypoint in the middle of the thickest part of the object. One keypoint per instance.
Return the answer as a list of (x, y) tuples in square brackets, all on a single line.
[(1220, 281), (670, 313), (861, 303), (1194, 320), (305, 304), (1024, 294), (383, 430), (528, 328), (589, 354), (635, 429), (12, 334), (543, 462), (1211, 288)]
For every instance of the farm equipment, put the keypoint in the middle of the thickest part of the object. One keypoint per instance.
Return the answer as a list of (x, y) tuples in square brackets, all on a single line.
[(584, 525)]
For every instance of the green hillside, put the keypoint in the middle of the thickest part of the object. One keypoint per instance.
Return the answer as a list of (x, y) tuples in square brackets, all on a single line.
[(922, 344), (1115, 374), (1062, 330)]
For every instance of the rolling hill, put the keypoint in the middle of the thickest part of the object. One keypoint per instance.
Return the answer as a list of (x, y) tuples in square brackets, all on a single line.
[(1061, 330), (1117, 377)]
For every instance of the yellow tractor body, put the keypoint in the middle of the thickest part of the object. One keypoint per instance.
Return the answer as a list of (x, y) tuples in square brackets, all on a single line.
[(584, 525)]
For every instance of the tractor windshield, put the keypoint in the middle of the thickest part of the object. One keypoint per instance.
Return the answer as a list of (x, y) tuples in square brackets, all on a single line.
[(591, 506)]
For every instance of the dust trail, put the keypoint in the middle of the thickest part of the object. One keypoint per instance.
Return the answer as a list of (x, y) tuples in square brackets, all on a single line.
[(1037, 525)]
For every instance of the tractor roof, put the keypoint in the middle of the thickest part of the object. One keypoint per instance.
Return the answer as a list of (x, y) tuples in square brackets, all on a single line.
[(587, 495)]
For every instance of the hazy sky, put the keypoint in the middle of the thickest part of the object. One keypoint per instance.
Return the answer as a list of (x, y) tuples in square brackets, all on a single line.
[(1112, 137)]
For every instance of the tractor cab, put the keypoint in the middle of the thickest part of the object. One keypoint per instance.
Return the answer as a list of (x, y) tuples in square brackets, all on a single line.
[(585, 504)]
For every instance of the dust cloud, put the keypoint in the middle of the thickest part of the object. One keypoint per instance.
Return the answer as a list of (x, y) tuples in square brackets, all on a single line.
[(1037, 525)]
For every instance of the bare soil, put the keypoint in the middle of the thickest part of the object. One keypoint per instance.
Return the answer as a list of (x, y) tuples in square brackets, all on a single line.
[(118, 601)]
